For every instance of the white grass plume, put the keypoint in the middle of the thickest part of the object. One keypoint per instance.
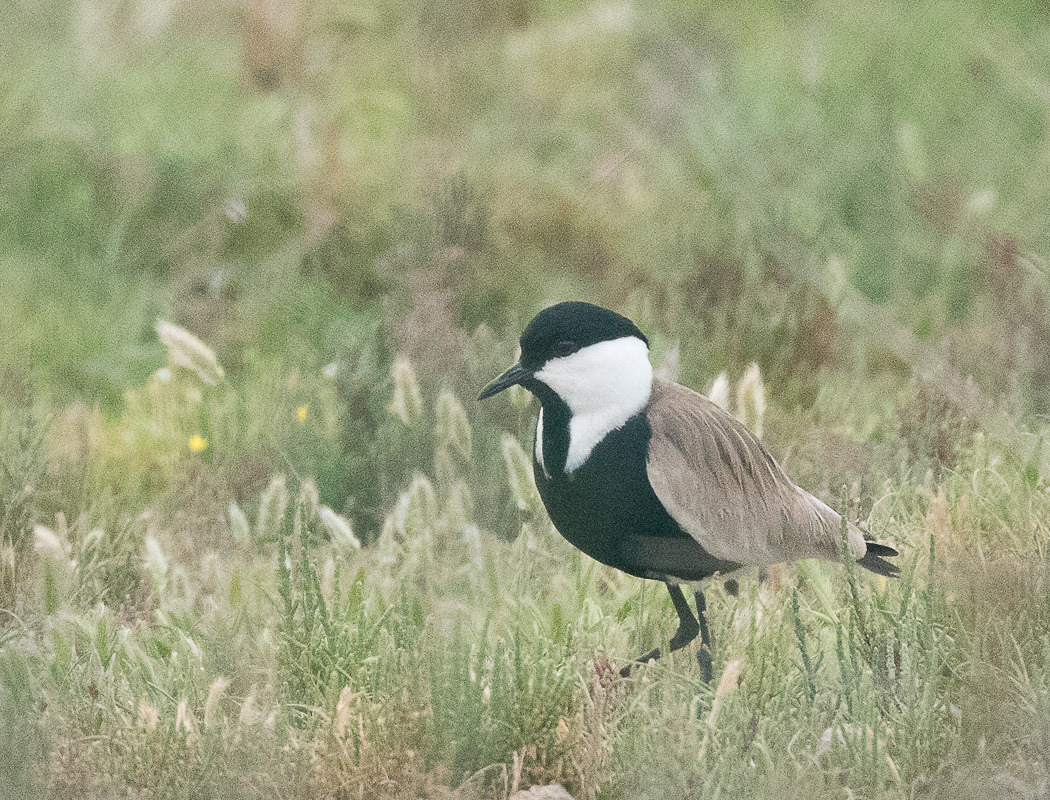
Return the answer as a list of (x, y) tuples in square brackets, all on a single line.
[(751, 399), (519, 472), (343, 712), (407, 401), (719, 391), (211, 705), (186, 350), (148, 717), (156, 562), (309, 498), (242, 531), (48, 544), (453, 426), (184, 718), (338, 528), (272, 507), (416, 508)]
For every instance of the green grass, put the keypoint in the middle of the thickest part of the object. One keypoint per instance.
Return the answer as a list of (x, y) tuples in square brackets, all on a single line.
[(357, 207)]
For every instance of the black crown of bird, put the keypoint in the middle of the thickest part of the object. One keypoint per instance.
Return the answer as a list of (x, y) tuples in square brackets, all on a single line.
[(654, 479)]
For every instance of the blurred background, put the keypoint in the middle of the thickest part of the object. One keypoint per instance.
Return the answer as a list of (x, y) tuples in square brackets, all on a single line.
[(848, 196), (355, 207)]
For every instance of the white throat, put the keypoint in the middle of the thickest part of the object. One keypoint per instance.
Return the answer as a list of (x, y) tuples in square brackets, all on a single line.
[(604, 385)]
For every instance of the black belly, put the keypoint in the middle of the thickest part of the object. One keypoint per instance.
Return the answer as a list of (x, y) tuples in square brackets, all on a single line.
[(608, 509)]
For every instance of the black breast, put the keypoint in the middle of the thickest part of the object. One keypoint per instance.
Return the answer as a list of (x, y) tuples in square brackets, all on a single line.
[(608, 508)]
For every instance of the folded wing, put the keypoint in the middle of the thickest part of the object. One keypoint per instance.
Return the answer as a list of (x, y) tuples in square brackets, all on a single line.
[(723, 488)]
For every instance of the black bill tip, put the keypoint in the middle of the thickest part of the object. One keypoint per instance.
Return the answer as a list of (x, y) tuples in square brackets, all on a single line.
[(511, 377)]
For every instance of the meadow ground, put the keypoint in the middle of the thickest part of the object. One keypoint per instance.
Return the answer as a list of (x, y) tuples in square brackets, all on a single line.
[(288, 555)]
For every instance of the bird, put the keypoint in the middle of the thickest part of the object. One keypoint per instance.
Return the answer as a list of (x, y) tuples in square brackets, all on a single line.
[(652, 478)]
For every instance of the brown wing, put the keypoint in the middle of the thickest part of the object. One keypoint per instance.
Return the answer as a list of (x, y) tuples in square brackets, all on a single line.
[(719, 483)]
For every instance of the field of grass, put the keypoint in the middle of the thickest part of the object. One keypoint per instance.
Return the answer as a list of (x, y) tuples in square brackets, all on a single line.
[(257, 259)]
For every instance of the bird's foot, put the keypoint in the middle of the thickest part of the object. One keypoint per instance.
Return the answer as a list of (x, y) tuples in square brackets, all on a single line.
[(652, 655)]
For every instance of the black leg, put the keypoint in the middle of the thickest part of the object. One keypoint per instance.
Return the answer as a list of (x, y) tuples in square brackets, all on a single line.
[(704, 655), (688, 628), (687, 624)]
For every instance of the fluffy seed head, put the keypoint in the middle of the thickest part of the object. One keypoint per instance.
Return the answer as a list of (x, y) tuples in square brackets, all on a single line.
[(343, 709), (149, 717), (453, 426), (338, 528), (416, 508), (272, 507), (187, 351), (47, 544), (184, 718), (719, 391), (751, 399), (407, 401), (155, 562), (239, 524), (519, 472), (211, 705), (309, 498)]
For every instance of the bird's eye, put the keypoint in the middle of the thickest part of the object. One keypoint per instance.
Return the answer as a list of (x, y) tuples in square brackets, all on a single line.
[(565, 348)]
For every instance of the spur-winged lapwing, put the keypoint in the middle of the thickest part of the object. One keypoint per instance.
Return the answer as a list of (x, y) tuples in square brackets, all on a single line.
[(653, 478)]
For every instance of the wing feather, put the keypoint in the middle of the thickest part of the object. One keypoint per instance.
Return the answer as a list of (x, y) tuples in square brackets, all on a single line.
[(719, 483)]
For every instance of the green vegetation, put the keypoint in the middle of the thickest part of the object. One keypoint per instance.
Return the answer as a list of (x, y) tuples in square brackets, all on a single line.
[(299, 560)]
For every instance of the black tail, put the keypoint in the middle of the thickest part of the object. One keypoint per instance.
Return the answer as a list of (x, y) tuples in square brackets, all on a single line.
[(881, 549), (873, 560)]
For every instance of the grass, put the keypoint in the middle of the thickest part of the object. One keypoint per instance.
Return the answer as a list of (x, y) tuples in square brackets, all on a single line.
[(324, 571), (227, 661)]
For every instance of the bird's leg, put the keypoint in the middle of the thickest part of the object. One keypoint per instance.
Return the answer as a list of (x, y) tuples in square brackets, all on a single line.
[(704, 655), (688, 628), (687, 624)]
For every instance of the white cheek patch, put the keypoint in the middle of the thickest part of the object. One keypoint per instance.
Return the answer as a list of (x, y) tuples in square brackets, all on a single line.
[(604, 385)]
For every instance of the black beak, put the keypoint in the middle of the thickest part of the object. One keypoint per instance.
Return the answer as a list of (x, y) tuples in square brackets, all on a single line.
[(511, 377)]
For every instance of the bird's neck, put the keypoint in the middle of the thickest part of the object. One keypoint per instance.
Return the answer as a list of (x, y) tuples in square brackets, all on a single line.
[(582, 405)]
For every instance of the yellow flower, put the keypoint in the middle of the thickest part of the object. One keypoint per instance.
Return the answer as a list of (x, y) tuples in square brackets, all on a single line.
[(300, 413), (197, 443)]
